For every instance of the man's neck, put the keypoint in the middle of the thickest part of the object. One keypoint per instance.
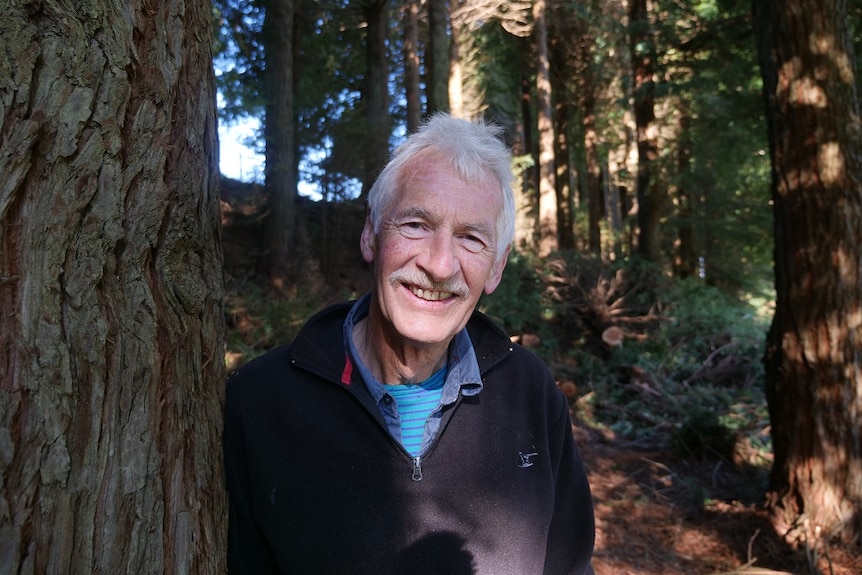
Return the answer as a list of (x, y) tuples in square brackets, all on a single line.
[(393, 361)]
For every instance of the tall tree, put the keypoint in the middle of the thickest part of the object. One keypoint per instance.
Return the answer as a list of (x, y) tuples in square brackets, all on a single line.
[(376, 90), (564, 36), (814, 347), (437, 56), (643, 61), (685, 260), (591, 152), (548, 227), (410, 25), (111, 322), (279, 226), (563, 179), (456, 71)]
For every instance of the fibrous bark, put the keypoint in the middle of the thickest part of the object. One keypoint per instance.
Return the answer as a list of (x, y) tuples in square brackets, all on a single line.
[(111, 326)]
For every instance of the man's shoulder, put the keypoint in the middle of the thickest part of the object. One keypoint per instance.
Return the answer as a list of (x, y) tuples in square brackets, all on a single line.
[(493, 345), (328, 318), (319, 338)]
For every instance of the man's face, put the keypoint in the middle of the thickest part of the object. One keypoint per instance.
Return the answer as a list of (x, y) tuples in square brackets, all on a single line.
[(435, 252)]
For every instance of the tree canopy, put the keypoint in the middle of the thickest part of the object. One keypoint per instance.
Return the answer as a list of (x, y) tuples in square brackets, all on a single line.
[(705, 184)]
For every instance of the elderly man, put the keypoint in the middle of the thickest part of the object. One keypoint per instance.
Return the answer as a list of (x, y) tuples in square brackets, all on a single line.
[(404, 433)]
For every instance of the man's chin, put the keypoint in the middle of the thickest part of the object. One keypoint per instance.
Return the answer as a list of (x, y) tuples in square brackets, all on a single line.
[(427, 339), (426, 333)]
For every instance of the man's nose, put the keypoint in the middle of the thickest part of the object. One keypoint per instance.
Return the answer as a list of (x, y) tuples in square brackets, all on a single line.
[(438, 258)]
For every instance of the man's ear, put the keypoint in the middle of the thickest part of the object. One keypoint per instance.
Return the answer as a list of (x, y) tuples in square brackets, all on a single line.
[(367, 241), (496, 272)]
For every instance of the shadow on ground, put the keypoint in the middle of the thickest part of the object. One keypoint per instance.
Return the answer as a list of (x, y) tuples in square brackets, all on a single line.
[(657, 514)]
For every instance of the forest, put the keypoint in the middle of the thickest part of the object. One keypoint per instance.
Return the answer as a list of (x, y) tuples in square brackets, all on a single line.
[(688, 254)]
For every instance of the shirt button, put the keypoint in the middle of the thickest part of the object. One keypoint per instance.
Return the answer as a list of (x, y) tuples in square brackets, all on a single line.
[(387, 399)]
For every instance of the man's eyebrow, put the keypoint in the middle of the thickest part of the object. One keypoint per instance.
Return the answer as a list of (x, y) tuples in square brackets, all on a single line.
[(414, 212), (480, 229)]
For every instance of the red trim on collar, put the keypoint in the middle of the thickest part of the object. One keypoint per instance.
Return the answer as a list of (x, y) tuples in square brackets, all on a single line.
[(347, 374)]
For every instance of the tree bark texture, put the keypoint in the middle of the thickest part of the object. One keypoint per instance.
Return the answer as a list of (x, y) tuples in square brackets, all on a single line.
[(111, 322), (278, 234), (814, 348)]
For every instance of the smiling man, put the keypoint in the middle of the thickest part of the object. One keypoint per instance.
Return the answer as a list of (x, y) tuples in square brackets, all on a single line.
[(403, 433)]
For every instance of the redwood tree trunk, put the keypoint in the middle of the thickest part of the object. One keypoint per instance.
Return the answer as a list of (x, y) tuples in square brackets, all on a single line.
[(111, 325), (814, 351)]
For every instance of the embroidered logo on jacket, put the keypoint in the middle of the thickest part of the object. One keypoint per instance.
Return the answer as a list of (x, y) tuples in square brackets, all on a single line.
[(526, 459)]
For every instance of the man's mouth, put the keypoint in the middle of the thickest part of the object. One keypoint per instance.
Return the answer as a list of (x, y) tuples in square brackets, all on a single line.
[(430, 295)]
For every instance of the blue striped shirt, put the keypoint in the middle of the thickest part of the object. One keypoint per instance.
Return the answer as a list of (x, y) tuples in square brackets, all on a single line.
[(415, 402)]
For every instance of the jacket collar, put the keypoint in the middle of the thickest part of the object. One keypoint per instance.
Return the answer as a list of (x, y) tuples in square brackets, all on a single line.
[(319, 346)]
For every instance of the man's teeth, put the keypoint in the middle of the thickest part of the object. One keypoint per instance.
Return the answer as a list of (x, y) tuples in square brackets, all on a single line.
[(430, 295)]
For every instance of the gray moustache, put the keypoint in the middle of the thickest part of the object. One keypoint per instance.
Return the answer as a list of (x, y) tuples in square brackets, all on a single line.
[(454, 286)]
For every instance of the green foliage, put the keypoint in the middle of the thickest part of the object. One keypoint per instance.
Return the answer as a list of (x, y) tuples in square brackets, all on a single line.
[(238, 58), (494, 63), (517, 303), (260, 319), (688, 374)]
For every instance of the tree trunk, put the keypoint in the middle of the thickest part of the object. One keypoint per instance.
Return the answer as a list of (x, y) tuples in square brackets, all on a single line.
[(411, 65), (548, 238), (111, 322), (593, 167), (527, 202), (376, 91), (643, 67), (562, 180), (437, 57), (613, 206), (456, 73), (814, 347), (685, 263), (278, 235)]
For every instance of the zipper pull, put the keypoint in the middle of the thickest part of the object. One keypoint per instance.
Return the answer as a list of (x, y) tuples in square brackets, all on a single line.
[(417, 469)]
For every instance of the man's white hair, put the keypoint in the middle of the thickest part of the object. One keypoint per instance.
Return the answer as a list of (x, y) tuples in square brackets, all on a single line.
[(475, 151)]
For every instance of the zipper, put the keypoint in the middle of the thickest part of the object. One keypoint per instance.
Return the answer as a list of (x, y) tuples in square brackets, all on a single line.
[(417, 460)]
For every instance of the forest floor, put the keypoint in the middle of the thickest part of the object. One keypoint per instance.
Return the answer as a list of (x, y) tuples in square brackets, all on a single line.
[(657, 513), (652, 519)]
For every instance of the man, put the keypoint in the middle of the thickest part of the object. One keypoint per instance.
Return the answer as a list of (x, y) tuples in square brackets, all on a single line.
[(404, 433)]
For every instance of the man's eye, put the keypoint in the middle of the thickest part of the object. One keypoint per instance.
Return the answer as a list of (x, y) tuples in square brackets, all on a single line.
[(413, 229), (472, 243)]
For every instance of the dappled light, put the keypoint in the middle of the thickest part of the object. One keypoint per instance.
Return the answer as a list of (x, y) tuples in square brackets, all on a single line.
[(664, 382)]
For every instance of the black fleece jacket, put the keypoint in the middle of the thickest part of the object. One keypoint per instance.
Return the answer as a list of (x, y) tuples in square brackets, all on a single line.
[(318, 486)]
